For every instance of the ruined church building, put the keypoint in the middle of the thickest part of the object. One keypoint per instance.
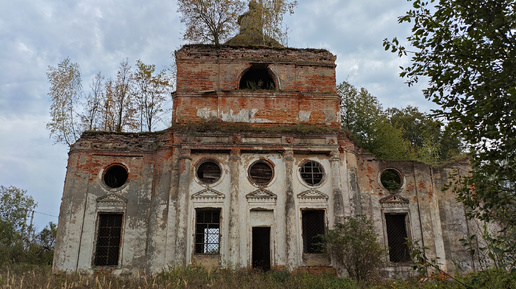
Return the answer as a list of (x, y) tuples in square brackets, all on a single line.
[(253, 168)]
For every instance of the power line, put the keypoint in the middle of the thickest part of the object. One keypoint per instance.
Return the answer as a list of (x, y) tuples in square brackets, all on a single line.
[(46, 214)]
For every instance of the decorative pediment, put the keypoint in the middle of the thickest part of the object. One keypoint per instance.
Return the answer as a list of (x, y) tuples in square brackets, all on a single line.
[(394, 201), (261, 195), (112, 200), (312, 195), (208, 194)]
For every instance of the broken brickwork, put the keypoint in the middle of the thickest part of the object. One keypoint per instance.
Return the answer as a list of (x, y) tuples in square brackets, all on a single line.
[(247, 170), (208, 82)]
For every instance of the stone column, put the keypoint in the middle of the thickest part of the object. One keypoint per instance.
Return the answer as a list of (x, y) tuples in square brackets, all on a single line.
[(290, 210), (183, 196), (171, 229), (234, 209), (338, 202)]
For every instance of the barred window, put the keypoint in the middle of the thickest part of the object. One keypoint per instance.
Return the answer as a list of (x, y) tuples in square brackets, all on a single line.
[(108, 240), (397, 237), (313, 227), (312, 172), (207, 231)]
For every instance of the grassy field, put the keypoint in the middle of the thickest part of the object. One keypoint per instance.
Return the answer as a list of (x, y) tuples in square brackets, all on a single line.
[(189, 277)]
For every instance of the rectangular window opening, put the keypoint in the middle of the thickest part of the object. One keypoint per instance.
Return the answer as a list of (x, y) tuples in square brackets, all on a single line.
[(109, 233), (397, 237), (313, 227), (207, 231)]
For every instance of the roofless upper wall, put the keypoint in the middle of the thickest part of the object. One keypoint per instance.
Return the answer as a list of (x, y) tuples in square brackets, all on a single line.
[(256, 85)]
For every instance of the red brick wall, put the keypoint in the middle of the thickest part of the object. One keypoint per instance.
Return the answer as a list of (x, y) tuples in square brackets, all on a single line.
[(208, 78)]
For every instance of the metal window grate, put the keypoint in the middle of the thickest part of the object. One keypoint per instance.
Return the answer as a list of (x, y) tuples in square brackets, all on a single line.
[(313, 226), (108, 239), (207, 231), (397, 238), (312, 172)]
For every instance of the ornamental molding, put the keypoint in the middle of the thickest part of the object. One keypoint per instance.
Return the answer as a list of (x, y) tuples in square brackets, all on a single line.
[(394, 201), (111, 200), (261, 195), (208, 194), (312, 195)]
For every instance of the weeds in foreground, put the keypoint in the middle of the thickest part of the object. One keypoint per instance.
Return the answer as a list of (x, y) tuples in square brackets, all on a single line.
[(198, 277)]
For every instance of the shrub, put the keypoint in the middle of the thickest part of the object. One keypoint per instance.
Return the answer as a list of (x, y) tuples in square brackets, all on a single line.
[(354, 245)]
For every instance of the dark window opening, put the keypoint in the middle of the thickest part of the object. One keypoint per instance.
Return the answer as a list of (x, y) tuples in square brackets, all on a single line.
[(115, 176), (391, 180), (207, 231), (108, 240), (313, 228), (397, 238), (257, 77), (261, 173), (312, 172), (261, 248), (209, 172)]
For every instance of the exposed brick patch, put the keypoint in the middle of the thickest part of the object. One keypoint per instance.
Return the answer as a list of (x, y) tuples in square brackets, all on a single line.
[(208, 80)]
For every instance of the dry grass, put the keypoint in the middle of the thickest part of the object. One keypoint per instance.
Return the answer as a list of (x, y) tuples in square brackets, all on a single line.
[(194, 277), (188, 277)]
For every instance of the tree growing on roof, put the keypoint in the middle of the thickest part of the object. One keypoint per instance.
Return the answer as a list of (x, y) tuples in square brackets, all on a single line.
[(150, 90), (214, 21), (210, 21), (65, 92)]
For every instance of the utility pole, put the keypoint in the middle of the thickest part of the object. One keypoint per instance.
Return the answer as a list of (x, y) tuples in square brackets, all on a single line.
[(30, 226)]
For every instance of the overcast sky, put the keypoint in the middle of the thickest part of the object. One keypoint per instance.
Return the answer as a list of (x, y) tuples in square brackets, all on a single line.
[(99, 34)]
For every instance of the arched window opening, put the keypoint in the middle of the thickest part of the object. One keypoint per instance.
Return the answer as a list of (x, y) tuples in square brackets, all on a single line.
[(257, 77), (391, 180), (115, 176)]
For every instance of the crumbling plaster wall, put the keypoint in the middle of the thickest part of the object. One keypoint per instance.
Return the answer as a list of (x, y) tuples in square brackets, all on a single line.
[(434, 218), (162, 193), (240, 200), (85, 195), (160, 198)]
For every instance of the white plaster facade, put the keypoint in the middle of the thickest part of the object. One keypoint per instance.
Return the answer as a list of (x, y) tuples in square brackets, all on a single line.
[(153, 211)]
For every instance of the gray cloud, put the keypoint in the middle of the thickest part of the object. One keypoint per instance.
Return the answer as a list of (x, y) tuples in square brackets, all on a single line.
[(98, 34)]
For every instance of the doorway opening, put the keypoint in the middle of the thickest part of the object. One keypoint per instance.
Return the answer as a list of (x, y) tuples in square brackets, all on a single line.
[(261, 248)]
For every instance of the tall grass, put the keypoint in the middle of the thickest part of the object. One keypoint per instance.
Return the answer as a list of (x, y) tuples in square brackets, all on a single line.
[(27, 277)]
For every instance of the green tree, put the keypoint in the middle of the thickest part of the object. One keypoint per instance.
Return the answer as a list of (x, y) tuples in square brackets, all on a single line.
[(354, 245), (467, 51), (431, 140), (65, 92), (210, 21), (15, 205), (47, 237), (42, 247), (363, 115)]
